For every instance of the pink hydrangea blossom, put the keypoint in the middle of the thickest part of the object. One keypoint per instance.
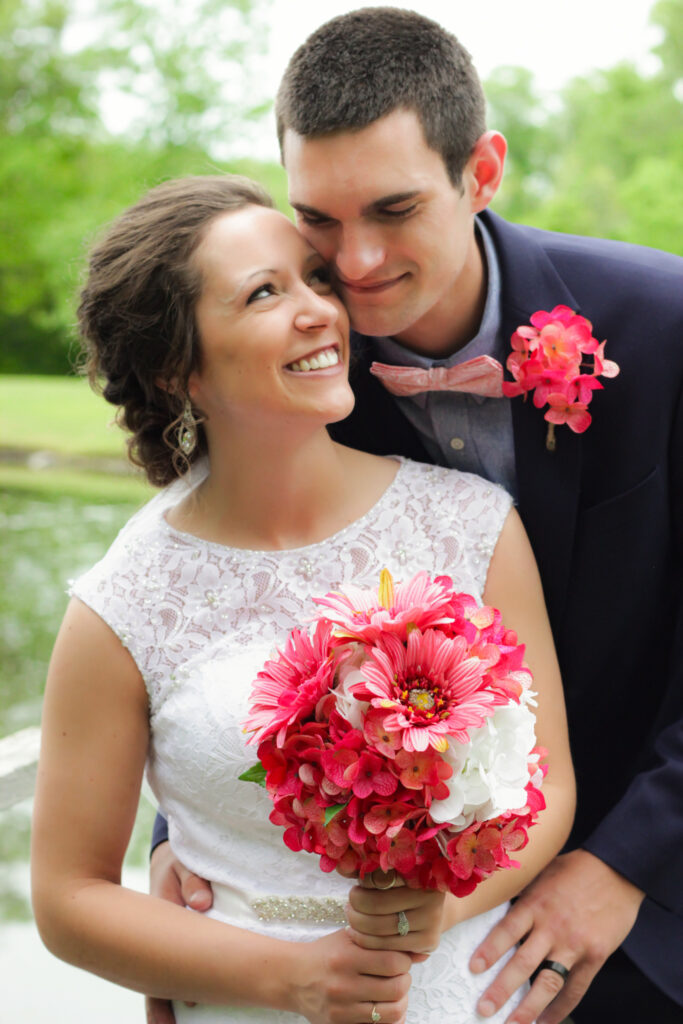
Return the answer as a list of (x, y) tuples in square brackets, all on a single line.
[(548, 361)]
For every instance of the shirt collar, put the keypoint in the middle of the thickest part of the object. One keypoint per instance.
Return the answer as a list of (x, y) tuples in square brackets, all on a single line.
[(486, 342)]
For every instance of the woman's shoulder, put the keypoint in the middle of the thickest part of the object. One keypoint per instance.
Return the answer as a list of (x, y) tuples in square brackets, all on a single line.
[(454, 482), (139, 546)]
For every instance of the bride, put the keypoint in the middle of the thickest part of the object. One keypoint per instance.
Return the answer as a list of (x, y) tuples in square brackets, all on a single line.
[(215, 329)]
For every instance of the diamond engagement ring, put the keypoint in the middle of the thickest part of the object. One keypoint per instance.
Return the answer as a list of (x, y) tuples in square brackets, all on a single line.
[(403, 924), (375, 1016)]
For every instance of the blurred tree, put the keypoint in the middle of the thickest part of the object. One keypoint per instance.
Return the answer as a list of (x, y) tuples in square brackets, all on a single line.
[(63, 173), (668, 15), (42, 88), (516, 110), (180, 70), (610, 161)]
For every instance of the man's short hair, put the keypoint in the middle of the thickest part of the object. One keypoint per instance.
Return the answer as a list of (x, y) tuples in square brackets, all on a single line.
[(361, 66)]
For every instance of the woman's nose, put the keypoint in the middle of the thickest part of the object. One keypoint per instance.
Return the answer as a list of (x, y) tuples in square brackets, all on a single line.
[(316, 311)]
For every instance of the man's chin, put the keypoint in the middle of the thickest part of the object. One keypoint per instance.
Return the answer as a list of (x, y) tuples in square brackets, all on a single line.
[(377, 323)]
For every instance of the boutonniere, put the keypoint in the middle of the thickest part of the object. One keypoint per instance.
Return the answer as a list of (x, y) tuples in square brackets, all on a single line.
[(548, 359)]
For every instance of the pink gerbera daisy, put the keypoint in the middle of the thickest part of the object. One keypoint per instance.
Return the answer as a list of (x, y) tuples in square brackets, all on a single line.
[(289, 687), (364, 614), (429, 688)]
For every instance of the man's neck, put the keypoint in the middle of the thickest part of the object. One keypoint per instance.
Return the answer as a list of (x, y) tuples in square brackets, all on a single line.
[(455, 319)]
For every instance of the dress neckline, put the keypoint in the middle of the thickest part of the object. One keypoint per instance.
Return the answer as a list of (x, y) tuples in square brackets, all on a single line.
[(193, 540)]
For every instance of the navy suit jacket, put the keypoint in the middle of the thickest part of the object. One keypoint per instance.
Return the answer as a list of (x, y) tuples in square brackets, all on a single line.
[(604, 513)]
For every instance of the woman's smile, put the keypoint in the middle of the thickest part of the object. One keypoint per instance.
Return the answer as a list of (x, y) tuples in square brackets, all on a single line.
[(321, 359)]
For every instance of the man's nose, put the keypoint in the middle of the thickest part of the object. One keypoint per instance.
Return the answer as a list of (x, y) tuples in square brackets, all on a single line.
[(359, 253)]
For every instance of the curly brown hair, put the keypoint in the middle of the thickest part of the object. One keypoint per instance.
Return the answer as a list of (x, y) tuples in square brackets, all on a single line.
[(136, 314)]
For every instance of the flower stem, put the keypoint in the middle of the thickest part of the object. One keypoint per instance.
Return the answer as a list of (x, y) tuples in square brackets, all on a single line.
[(550, 441)]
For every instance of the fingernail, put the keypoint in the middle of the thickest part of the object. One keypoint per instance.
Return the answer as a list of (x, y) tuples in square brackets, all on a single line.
[(486, 1008), (196, 899), (477, 965)]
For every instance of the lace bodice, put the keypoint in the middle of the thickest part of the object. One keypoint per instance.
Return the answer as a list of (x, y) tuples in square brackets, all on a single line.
[(200, 619)]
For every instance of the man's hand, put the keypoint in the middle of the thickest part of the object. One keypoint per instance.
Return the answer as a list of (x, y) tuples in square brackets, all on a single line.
[(577, 912), (170, 880)]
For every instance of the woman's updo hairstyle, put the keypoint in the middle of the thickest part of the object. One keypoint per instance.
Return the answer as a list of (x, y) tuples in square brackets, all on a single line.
[(136, 314)]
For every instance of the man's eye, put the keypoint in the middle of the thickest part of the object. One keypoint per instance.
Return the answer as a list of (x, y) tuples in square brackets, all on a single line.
[(262, 292), (312, 221), (403, 211)]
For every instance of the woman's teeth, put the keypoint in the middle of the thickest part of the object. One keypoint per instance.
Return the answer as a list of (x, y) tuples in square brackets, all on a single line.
[(320, 361)]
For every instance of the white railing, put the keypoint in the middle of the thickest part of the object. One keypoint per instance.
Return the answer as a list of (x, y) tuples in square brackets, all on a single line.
[(18, 764)]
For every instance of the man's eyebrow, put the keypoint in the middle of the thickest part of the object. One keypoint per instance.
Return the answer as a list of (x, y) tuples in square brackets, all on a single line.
[(308, 210), (389, 200)]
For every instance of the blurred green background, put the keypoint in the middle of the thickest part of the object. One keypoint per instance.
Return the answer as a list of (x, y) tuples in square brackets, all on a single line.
[(605, 157)]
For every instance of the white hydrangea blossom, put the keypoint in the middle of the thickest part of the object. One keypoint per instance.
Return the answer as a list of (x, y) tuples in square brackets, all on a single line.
[(490, 772)]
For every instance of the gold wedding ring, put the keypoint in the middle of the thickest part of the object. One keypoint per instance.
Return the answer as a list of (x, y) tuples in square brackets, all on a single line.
[(375, 1016), (403, 924), (392, 883)]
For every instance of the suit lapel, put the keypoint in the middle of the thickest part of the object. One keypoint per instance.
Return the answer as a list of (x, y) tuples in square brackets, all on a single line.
[(547, 490), (548, 483)]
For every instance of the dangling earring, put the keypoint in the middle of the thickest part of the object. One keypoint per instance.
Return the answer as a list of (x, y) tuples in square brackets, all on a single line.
[(187, 430)]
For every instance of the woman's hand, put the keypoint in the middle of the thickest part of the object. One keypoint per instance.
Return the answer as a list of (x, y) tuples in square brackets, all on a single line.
[(373, 916), (339, 982)]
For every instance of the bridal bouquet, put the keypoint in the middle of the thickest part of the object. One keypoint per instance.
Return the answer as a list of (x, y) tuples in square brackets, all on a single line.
[(397, 732)]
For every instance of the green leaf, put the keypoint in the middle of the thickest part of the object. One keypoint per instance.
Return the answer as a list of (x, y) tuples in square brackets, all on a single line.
[(333, 811), (257, 774)]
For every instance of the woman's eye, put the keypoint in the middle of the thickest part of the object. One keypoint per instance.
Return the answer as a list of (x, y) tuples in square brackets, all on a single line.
[(262, 292), (320, 277)]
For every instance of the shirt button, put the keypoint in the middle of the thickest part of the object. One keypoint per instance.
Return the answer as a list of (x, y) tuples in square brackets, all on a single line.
[(457, 443)]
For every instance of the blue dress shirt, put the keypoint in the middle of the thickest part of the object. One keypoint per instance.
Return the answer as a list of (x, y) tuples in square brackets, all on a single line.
[(467, 432)]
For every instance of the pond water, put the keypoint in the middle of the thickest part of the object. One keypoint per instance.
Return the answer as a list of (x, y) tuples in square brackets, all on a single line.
[(44, 543)]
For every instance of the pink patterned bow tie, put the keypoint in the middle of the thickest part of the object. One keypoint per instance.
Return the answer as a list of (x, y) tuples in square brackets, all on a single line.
[(480, 376)]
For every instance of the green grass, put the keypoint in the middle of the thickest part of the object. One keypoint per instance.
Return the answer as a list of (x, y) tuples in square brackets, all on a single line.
[(57, 414), (108, 488)]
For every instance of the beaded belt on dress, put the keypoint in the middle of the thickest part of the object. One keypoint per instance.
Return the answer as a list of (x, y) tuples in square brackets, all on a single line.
[(241, 907), (299, 908)]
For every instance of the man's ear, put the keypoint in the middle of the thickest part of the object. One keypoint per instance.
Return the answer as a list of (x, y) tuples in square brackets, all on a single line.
[(485, 169)]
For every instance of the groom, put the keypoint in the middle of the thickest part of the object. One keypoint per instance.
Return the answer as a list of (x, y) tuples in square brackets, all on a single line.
[(391, 170)]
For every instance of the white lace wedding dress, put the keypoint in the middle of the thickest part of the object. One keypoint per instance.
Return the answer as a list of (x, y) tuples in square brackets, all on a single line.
[(200, 619)]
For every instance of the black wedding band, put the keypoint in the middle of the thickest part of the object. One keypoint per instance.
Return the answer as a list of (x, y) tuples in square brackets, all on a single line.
[(552, 965)]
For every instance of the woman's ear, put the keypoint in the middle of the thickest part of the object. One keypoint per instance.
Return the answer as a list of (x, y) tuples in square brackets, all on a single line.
[(172, 387)]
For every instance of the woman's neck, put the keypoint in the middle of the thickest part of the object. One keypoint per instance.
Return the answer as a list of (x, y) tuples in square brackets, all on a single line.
[(264, 493)]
